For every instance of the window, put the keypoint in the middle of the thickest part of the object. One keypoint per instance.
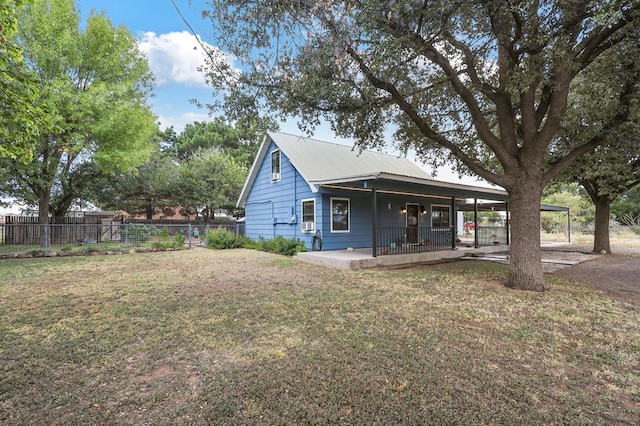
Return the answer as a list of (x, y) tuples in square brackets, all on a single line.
[(308, 215), (440, 216), (340, 215), (275, 165)]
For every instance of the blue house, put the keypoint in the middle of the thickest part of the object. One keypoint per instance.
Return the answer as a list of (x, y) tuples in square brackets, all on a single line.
[(334, 197)]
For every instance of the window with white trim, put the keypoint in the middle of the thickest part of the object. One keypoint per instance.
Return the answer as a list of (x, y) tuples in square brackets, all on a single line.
[(308, 222), (275, 165), (340, 215), (440, 215)]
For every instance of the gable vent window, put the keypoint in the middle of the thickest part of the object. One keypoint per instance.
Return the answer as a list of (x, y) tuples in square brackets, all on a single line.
[(275, 165)]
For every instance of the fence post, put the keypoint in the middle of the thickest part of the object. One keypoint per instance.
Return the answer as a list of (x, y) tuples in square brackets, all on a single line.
[(126, 235), (189, 235), (206, 236)]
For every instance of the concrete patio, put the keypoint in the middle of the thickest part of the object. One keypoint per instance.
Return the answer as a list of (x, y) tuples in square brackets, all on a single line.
[(552, 259), (363, 259)]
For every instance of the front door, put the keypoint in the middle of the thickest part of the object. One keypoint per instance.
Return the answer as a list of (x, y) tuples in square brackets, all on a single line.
[(413, 211)]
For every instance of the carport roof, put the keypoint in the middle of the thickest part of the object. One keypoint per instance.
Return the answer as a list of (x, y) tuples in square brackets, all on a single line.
[(498, 206)]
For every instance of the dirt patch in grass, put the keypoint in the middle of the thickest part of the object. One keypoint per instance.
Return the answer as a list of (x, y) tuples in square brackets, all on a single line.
[(617, 275), (246, 337)]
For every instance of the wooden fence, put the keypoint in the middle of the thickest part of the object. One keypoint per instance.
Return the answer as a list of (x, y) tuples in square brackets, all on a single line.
[(26, 230)]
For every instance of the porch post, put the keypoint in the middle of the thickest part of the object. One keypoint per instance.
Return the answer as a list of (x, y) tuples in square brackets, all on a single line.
[(475, 223), (454, 225), (507, 224), (569, 223), (374, 222)]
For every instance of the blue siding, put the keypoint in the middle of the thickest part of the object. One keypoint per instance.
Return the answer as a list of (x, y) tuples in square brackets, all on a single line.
[(360, 225), (271, 205)]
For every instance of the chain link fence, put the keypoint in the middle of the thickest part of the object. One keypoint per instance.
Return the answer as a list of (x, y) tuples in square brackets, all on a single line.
[(113, 236)]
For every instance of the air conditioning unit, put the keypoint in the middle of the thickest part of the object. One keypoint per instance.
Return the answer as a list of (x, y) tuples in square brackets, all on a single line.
[(275, 176), (307, 226)]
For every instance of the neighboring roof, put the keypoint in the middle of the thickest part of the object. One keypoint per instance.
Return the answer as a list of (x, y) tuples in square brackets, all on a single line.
[(325, 163)]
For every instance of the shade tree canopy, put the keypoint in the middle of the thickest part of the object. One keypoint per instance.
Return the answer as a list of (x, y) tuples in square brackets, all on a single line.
[(21, 119), (627, 208), (215, 136), (604, 106), (195, 172), (483, 84), (97, 82), (210, 181)]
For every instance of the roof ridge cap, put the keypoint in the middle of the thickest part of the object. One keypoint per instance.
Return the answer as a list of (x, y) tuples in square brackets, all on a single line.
[(352, 148)]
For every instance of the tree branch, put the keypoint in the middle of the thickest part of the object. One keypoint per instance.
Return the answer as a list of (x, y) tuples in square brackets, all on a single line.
[(424, 128), (626, 97)]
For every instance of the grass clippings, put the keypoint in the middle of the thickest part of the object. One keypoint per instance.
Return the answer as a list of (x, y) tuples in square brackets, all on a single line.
[(246, 337)]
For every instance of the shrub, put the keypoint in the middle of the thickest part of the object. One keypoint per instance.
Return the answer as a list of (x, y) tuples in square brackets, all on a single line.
[(164, 234), (178, 240), (142, 233), (220, 239), (280, 245), (91, 249)]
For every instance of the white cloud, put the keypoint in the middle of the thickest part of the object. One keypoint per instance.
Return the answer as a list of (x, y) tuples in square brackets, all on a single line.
[(176, 57), (179, 122)]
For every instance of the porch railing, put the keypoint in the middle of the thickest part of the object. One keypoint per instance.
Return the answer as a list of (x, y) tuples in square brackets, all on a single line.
[(491, 235), (399, 240)]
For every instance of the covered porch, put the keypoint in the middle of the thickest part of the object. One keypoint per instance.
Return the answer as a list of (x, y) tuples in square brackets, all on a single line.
[(413, 217)]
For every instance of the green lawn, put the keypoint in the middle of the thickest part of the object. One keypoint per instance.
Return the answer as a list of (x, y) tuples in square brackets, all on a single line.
[(246, 337)]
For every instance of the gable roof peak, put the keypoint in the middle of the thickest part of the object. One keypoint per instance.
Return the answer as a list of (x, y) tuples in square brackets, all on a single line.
[(317, 161), (320, 160)]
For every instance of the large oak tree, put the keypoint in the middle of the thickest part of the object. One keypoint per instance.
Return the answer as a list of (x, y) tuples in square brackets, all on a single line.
[(481, 83)]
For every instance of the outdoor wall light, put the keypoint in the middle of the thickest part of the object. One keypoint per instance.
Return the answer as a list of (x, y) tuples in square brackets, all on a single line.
[(423, 210), (403, 210)]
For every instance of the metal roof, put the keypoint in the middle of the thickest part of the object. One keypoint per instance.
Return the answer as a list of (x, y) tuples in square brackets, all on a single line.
[(325, 163)]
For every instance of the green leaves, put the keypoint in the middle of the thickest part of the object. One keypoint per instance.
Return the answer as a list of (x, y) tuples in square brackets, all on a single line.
[(22, 119), (90, 99)]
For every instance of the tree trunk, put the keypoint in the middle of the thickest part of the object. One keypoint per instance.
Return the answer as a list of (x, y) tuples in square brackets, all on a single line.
[(601, 233), (525, 270)]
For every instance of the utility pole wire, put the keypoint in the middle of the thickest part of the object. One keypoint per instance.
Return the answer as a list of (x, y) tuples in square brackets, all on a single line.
[(204, 48)]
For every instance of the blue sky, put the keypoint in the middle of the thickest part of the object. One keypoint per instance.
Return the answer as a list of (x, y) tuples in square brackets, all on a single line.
[(173, 55), (171, 48)]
